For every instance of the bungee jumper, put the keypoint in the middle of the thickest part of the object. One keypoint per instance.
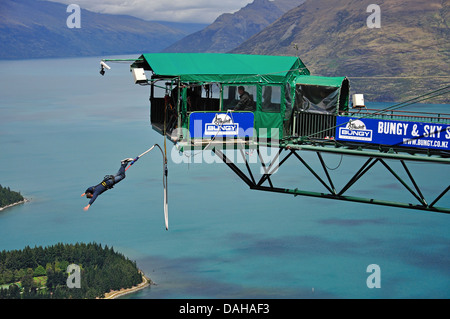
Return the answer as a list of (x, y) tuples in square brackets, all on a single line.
[(110, 180)]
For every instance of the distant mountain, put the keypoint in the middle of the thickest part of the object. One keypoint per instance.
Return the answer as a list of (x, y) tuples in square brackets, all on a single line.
[(413, 41), (38, 29), (185, 28), (231, 29)]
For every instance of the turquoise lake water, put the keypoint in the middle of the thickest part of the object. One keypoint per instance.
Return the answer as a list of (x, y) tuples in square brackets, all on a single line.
[(63, 127)]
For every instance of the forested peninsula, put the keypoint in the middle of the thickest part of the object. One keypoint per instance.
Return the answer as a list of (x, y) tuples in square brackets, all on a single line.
[(9, 197), (43, 273)]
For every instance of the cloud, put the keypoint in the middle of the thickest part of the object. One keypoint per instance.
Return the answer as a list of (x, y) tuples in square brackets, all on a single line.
[(195, 11)]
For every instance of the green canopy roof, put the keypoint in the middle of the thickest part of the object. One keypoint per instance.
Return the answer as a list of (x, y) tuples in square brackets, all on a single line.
[(320, 80), (222, 67)]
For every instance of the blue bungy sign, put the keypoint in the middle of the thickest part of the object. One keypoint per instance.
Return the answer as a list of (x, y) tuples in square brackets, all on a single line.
[(394, 133), (221, 124)]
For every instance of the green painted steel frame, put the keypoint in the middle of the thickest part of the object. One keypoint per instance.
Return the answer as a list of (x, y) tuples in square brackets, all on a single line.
[(328, 184)]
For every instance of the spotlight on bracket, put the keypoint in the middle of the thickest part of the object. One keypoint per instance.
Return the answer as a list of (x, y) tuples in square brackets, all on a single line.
[(103, 66)]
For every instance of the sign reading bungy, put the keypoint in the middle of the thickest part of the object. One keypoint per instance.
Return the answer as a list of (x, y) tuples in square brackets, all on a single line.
[(212, 124), (394, 133)]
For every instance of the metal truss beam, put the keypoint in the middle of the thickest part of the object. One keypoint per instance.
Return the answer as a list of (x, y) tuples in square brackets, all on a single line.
[(329, 187)]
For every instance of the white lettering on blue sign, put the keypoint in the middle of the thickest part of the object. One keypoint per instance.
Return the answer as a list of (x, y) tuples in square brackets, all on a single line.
[(392, 128), (222, 124), (391, 132), (432, 131), (355, 130), (225, 129), (210, 125)]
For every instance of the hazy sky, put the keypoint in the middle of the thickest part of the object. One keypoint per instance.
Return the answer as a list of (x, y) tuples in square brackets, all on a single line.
[(196, 11)]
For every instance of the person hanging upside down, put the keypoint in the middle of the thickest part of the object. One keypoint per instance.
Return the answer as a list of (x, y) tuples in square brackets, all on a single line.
[(108, 182)]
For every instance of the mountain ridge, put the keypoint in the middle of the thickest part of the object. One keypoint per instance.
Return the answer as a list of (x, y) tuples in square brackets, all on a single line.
[(37, 29), (231, 29), (412, 42)]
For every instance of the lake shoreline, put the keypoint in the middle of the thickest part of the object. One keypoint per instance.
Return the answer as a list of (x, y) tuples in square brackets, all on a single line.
[(25, 200), (146, 282)]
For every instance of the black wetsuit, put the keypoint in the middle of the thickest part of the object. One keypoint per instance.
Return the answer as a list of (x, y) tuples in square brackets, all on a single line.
[(107, 183)]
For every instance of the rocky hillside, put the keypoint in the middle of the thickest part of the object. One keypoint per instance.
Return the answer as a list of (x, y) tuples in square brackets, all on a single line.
[(231, 29), (38, 29), (413, 41)]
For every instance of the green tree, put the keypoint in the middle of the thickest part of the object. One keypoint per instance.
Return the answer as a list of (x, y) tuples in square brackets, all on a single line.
[(7, 196), (27, 280), (50, 279), (13, 292), (102, 269), (39, 271), (8, 276)]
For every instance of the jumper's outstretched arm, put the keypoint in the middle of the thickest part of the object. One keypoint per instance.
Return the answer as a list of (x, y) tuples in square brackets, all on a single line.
[(88, 205)]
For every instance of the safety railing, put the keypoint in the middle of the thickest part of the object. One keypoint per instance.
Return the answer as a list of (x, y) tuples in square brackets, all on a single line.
[(322, 126), (401, 115), (314, 125)]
